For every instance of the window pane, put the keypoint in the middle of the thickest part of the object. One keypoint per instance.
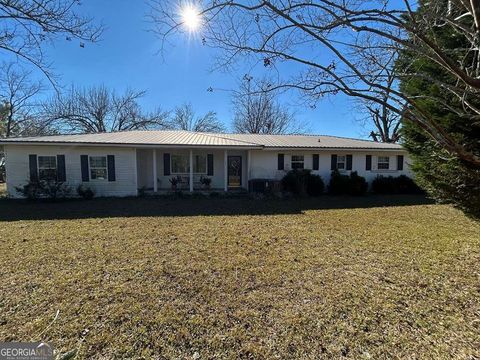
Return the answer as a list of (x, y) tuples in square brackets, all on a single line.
[(47, 162), (200, 164), (99, 174), (341, 159), (47, 174), (297, 162), (180, 164), (98, 161), (383, 163), (297, 157), (297, 165)]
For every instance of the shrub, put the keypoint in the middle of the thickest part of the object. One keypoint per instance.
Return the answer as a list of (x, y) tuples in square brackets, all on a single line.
[(357, 184), (395, 185), (85, 192), (206, 181), (344, 184), (42, 189), (301, 182), (338, 183)]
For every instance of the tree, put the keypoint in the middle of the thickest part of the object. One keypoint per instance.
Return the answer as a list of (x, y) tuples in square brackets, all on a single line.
[(184, 118), (445, 177), (26, 26), (385, 123), (343, 46), (18, 95), (98, 109), (256, 111)]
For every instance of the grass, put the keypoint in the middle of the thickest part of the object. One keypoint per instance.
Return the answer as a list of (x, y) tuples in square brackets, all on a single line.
[(233, 278)]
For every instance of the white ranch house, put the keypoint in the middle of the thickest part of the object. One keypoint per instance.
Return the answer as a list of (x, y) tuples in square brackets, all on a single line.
[(122, 163)]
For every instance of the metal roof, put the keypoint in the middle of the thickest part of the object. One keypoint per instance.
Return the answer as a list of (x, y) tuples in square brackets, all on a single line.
[(188, 138)]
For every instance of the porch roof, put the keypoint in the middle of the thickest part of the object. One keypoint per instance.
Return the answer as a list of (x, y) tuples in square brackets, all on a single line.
[(172, 138)]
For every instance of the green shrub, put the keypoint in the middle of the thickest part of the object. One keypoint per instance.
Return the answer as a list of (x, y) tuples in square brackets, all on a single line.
[(344, 184), (395, 185), (357, 184), (85, 192), (303, 182), (43, 189), (338, 183)]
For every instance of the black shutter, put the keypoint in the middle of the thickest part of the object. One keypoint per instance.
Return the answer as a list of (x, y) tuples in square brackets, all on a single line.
[(32, 160), (349, 162), (281, 162), (368, 163), (61, 172), (111, 167), (316, 161), (399, 162), (210, 164), (84, 167), (334, 162), (166, 164)]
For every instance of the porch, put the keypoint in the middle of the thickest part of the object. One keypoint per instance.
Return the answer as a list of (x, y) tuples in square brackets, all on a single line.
[(183, 169)]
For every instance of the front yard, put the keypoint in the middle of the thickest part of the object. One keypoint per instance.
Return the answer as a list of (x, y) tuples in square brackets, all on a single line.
[(237, 278)]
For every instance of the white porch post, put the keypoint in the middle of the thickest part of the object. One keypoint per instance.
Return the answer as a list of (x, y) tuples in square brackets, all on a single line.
[(249, 157), (191, 170), (225, 170), (155, 177)]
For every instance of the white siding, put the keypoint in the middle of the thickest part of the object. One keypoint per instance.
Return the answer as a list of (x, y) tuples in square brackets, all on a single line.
[(17, 167), (264, 163)]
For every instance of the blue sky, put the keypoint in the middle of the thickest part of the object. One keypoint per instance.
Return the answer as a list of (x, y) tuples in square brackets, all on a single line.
[(127, 56)]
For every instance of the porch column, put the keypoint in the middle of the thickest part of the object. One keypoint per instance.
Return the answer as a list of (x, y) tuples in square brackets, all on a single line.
[(225, 170), (249, 157), (155, 177), (191, 170)]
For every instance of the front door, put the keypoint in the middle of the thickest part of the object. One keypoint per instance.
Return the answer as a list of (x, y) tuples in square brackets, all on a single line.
[(234, 171)]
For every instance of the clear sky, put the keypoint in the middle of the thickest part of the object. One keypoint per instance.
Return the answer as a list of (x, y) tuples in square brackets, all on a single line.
[(127, 56)]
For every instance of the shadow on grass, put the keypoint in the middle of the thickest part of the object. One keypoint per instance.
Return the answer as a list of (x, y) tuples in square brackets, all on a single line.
[(12, 210)]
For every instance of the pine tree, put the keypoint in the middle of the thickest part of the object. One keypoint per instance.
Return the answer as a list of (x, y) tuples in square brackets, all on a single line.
[(444, 176)]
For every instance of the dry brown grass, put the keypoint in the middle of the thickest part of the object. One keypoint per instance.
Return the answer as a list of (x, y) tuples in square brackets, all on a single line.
[(364, 282)]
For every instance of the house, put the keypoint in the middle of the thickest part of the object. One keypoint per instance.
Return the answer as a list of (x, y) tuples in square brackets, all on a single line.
[(121, 163)]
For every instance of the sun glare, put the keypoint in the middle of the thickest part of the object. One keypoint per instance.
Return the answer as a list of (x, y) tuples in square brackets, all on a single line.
[(190, 18)]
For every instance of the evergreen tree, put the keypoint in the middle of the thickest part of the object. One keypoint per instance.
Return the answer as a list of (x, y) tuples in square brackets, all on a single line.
[(443, 175)]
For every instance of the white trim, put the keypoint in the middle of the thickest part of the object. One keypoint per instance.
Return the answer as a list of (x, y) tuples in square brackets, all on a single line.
[(155, 176), (225, 170), (136, 172), (191, 170)]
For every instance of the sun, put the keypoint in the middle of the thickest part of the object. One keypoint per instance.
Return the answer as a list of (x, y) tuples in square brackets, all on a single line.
[(191, 18)]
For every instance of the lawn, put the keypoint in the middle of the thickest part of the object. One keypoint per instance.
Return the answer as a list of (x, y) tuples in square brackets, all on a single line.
[(363, 278)]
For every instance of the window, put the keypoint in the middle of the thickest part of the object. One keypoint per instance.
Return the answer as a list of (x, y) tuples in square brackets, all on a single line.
[(383, 163), (180, 164), (47, 167), (98, 167), (297, 162), (341, 162), (200, 164)]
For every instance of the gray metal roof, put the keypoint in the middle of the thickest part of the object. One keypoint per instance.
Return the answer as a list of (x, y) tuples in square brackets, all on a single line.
[(188, 138)]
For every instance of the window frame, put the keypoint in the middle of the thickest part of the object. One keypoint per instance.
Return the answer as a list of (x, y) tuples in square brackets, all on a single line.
[(90, 167), (292, 161), (383, 162), (187, 156), (344, 162), (39, 169)]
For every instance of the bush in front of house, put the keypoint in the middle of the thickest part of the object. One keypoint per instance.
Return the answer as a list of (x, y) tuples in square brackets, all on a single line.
[(44, 189), (395, 185), (85, 192), (352, 184), (303, 182)]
